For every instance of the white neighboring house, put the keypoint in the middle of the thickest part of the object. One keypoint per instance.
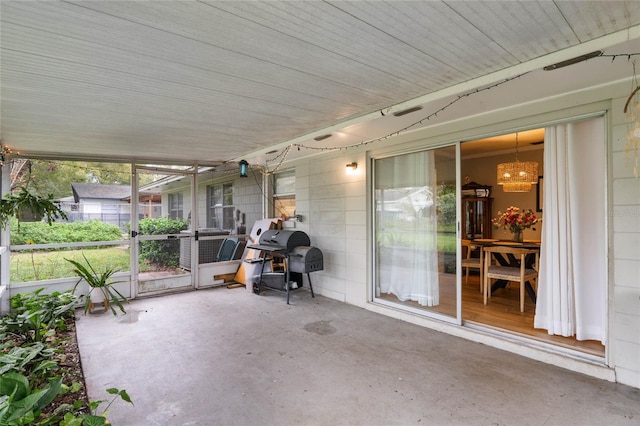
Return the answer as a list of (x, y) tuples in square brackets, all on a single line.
[(107, 203)]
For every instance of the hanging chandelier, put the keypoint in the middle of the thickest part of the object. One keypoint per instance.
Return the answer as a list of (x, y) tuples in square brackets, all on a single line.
[(517, 176)]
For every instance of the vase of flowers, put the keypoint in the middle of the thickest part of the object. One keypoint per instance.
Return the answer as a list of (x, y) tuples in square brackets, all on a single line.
[(516, 221), (518, 236)]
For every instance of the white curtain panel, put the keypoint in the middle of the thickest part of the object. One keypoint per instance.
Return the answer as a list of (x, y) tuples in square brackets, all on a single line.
[(572, 289), (406, 228)]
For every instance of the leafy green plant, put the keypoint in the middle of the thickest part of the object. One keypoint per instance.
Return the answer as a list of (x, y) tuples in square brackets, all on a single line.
[(24, 202), (32, 376), (21, 405), (30, 324), (56, 304), (33, 358), (35, 316), (164, 253), (98, 281), (94, 405), (94, 419)]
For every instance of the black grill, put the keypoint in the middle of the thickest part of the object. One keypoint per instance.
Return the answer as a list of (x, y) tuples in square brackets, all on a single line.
[(283, 240), (304, 259), (294, 247)]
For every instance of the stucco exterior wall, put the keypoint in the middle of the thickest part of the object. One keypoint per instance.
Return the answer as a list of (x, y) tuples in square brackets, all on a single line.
[(335, 208)]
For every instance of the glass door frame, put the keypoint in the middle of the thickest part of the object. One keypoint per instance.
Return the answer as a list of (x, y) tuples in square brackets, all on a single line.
[(457, 319)]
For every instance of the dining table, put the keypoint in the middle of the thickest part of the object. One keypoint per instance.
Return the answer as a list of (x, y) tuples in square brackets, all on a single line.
[(511, 260)]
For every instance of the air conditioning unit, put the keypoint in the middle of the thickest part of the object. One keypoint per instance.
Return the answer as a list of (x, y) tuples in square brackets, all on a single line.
[(207, 249)]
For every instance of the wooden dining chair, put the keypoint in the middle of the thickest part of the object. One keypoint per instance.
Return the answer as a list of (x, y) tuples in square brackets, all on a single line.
[(469, 262), (516, 270)]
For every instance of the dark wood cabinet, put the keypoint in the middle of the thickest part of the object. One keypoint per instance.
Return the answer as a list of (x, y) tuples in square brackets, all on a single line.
[(476, 217)]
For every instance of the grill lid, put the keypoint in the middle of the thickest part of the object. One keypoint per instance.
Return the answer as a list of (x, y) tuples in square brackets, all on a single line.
[(284, 239)]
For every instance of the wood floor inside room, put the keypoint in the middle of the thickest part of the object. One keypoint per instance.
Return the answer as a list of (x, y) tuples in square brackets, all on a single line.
[(502, 313)]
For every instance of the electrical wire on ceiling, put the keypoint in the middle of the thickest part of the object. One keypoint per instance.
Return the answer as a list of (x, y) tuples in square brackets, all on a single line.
[(281, 157), (421, 121), (279, 211), (283, 154), (618, 55)]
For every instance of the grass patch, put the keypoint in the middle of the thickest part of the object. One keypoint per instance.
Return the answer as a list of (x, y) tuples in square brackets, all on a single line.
[(46, 265), (447, 241)]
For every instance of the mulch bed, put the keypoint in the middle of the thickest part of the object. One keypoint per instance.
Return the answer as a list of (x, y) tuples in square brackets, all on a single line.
[(71, 369)]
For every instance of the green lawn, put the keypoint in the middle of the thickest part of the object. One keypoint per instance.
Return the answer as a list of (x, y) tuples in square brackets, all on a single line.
[(44, 265), (447, 241)]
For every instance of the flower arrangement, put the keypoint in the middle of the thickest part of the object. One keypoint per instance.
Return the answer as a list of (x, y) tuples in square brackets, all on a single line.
[(515, 220)]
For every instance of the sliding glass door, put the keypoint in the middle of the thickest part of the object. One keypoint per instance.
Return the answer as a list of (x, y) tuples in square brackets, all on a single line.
[(415, 232)]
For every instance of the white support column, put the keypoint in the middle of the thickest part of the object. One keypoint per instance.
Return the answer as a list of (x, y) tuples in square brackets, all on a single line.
[(193, 226), (5, 187), (135, 201)]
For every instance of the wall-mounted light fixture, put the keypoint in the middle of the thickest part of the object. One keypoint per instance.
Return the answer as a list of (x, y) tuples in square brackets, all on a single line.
[(244, 167), (351, 168)]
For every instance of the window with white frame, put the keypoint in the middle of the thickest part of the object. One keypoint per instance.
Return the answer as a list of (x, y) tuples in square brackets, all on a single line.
[(220, 206), (284, 194), (176, 206)]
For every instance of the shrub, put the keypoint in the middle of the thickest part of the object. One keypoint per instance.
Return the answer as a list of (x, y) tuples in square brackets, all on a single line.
[(63, 232), (164, 253), (446, 202)]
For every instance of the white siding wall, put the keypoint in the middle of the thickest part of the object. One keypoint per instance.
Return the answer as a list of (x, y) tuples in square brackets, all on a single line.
[(175, 187), (90, 207), (334, 208), (624, 216), (247, 198)]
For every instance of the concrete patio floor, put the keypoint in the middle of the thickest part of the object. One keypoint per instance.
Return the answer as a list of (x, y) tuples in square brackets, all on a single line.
[(227, 357)]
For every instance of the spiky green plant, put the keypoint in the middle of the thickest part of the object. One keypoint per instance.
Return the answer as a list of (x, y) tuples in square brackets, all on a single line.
[(98, 281)]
